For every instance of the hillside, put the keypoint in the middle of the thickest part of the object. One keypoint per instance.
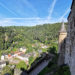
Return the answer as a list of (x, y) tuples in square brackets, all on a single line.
[(20, 36)]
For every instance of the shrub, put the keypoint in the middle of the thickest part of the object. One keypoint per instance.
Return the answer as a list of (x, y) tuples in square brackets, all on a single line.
[(63, 70)]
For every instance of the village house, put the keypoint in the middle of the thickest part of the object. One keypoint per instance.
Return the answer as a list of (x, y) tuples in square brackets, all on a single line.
[(23, 57), (23, 49), (2, 57), (43, 46), (20, 55), (2, 64)]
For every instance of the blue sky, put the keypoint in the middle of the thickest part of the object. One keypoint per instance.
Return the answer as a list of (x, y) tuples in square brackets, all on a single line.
[(33, 12)]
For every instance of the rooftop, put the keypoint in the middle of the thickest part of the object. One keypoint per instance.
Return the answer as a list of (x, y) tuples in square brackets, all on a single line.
[(2, 62)]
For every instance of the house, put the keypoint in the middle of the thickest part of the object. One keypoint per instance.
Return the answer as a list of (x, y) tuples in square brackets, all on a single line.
[(2, 64), (33, 45), (43, 46), (40, 51), (23, 49), (2, 57), (23, 57)]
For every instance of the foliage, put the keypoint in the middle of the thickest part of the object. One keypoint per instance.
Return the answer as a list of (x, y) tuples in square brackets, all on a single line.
[(21, 64), (31, 59), (18, 36), (0, 54), (6, 70), (52, 50), (63, 70)]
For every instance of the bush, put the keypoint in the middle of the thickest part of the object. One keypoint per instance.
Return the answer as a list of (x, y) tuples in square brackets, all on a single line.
[(21, 64), (6, 70), (52, 50), (63, 70)]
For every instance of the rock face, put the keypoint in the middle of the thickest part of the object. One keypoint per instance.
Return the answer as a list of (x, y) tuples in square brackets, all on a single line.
[(68, 47)]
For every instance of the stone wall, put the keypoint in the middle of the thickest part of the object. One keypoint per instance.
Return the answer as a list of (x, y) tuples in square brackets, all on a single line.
[(61, 58), (62, 37), (70, 41), (17, 72), (68, 47)]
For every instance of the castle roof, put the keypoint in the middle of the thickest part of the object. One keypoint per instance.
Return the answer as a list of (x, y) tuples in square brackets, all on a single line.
[(63, 29)]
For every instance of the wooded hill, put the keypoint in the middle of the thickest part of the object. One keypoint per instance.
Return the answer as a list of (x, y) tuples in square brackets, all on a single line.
[(19, 36)]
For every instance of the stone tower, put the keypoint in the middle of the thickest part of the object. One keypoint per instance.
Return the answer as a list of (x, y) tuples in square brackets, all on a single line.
[(62, 35)]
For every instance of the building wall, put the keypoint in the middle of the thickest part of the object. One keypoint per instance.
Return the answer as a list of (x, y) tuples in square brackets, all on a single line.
[(70, 41), (2, 65), (67, 48), (62, 37)]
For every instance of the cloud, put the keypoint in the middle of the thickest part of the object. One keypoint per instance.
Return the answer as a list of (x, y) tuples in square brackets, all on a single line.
[(29, 5), (18, 9), (49, 18), (33, 20), (24, 21), (24, 7), (63, 16), (20, 21), (7, 8), (51, 10), (28, 21)]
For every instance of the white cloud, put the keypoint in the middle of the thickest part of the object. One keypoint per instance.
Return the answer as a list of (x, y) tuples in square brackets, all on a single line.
[(22, 6), (33, 20), (63, 16), (26, 21), (18, 9), (51, 10), (30, 5), (1, 4), (49, 18)]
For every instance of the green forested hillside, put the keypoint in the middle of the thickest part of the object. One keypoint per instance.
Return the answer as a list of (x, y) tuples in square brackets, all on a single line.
[(18, 36)]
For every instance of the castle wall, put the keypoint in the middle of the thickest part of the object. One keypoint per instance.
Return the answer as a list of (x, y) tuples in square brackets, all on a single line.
[(70, 41), (62, 37), (62, 53)]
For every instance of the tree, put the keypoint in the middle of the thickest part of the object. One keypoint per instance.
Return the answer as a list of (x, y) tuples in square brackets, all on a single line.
[(6, 70), (52, 50), (21, 64)]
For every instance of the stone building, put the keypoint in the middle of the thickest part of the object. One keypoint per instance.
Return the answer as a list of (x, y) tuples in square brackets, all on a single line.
[(70, 41), (17, 72), (62, 44), (62, 36), (68, 46), (2, 65)]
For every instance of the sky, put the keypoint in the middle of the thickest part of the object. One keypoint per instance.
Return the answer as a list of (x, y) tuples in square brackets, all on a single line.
[(33, 12)]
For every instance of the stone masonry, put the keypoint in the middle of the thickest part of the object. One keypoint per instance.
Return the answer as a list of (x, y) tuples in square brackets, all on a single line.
[(67, 48)]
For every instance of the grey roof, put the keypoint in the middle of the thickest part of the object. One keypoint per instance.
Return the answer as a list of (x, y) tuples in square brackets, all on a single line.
[(2, 62), (63, 29), (23, 55)]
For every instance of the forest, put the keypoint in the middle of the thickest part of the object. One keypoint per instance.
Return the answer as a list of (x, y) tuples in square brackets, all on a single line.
[(19, 36)]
